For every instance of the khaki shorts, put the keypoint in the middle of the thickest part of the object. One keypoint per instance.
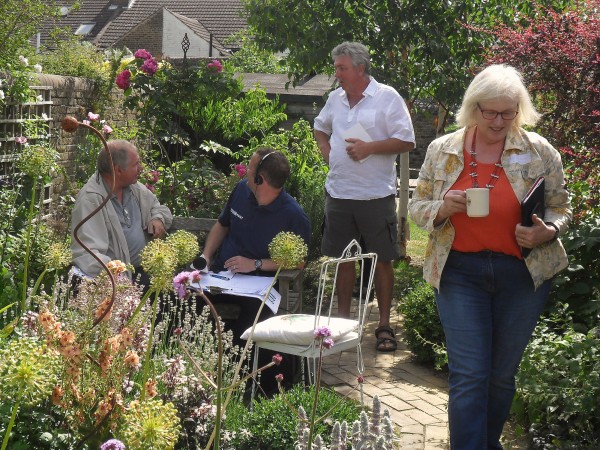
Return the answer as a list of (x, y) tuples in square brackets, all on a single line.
[(374, 221)]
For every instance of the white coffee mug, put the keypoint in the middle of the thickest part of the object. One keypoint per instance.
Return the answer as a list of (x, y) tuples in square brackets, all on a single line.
[(478, 202)]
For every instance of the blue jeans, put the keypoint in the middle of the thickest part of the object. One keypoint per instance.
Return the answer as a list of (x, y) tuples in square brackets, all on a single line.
[(488, 308)]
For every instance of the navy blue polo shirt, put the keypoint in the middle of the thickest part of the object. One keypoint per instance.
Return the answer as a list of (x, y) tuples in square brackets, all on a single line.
[(253, 227)]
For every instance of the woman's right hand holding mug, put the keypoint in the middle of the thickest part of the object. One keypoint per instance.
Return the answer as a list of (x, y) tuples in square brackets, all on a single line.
[(454, 202)]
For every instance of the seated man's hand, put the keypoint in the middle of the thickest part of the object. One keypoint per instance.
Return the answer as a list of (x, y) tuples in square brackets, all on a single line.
[(157, 228), (239, 264)]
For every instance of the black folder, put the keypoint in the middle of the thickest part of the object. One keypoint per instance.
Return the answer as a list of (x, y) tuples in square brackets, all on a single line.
[(533, 203)]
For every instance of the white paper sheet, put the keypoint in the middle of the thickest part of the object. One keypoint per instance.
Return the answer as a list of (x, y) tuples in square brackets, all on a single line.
[(357, 131), (243, 286)]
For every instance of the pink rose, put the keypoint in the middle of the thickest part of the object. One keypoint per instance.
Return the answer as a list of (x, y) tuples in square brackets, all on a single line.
[(93, 117), (215, 66), (241, 170), (123, 80), (106, 129), (142, 53), (20, 140), (149, 67)]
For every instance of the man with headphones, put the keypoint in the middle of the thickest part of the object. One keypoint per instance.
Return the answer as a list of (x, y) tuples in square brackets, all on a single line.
[(257, 210)]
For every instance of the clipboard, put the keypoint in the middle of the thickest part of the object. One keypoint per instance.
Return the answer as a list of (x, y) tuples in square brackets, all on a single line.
[(533, 203)]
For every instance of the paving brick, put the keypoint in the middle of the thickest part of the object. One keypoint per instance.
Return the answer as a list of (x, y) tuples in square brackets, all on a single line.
[(415, 395)]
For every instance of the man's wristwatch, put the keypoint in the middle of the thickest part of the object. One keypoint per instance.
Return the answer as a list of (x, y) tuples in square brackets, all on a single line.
[(258, 264)]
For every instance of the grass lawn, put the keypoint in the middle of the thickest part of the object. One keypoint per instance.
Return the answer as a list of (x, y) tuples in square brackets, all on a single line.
[(417, 243)]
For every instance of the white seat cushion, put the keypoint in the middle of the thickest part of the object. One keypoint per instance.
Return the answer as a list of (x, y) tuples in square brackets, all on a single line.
[(298, 329)]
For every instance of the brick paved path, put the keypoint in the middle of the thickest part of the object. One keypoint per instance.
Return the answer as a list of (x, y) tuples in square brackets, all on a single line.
[(415, 395)]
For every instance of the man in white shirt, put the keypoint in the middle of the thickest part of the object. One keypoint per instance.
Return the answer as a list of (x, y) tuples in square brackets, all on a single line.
[(360, 131)]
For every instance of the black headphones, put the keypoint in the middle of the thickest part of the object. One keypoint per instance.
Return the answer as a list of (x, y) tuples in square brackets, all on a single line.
[(257, 178)]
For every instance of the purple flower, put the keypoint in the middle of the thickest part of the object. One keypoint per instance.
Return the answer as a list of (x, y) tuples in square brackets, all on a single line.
[(215, 66), (180, 281), (112, 444), (279, 377), (277, 358), (327, 342), (20, 139), (150, 66), (123, 80), (93, 117), (241, 170), (322, 332), (150, 187), (142, 53), (106, 129)]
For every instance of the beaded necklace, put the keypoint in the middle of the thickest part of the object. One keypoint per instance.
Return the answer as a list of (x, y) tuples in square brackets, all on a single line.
[(473, 163)]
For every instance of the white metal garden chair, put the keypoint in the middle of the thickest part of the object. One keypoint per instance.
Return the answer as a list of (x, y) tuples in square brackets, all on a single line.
[(294, 333)]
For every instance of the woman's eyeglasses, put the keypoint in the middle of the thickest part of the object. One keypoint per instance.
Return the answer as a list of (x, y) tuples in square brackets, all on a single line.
[(490, 114)]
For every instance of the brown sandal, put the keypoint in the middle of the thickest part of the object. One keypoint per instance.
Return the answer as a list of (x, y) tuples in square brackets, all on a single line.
[(386, 344)]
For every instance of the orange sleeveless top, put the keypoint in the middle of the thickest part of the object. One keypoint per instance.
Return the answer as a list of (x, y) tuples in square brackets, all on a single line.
[(496, 232)]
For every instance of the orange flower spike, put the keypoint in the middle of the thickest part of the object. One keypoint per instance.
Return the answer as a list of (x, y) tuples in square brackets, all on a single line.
[(126, 338), (132, 359), (57, 395), (151, 388), (66, 338)]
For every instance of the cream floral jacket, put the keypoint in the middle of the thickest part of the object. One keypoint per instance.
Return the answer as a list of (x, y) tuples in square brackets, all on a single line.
[(526, 156)]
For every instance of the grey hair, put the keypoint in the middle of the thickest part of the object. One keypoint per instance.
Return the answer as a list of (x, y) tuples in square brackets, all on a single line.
[(119, 150), (498, 81), (356, 51)]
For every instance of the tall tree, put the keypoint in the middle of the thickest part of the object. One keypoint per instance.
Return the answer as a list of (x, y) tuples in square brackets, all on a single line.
[(422, 48), (19, 21)]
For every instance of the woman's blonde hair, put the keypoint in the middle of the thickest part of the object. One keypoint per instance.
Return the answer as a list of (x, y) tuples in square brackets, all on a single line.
[(498, 81)]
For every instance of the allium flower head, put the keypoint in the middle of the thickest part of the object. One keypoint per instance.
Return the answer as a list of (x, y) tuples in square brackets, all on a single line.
[(38, 161), (288, 250), (215, 66), (159, 260), (27, 366), (58, 255), (150, 424), (185, 245), (112, 444), (123, 80), (142, 53), (149, 67)]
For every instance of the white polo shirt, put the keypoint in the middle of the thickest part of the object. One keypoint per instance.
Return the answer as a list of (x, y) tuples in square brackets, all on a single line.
[(383, 114)]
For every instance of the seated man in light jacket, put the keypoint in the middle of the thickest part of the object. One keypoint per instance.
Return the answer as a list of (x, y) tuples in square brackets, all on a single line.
[(122, 227)]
